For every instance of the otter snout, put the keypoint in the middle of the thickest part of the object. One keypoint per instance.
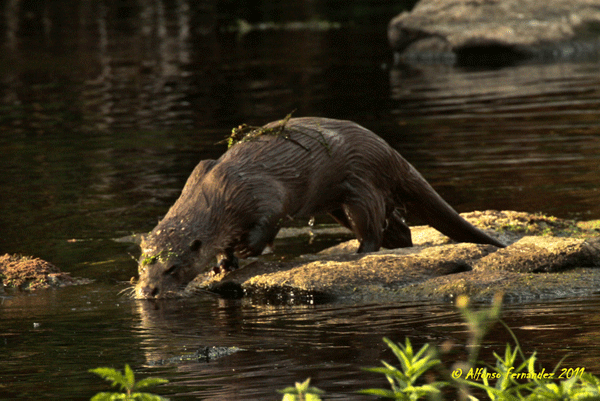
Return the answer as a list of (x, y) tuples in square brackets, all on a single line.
[(147, 291), (163, 278), (161, 288)]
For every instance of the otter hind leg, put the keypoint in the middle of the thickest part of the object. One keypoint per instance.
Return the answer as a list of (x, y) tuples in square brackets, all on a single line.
[(396, 234), (366, 227)]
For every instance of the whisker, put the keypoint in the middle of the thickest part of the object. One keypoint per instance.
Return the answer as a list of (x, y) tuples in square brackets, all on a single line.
[(129, 290)]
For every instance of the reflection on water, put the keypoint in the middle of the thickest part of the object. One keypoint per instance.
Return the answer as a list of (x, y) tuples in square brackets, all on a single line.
[(105, 108), (510, 135), (157, 65), (82, 328)]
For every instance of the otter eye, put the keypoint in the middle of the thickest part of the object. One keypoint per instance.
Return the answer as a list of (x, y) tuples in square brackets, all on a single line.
[(171, 271), (195, 245)]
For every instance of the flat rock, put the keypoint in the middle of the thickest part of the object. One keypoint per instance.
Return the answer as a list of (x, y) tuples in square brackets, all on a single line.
[(496, 31), (547, 257), (542, 254), (516, 287)]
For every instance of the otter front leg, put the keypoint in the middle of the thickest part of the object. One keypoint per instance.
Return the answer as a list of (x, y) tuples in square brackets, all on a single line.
[(396, 233), (261, 235)]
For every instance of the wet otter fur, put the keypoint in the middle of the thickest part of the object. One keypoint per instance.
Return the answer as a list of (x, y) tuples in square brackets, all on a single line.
[(233, 207)]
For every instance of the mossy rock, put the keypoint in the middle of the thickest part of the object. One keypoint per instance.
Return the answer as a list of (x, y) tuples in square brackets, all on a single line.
[(29, 273)]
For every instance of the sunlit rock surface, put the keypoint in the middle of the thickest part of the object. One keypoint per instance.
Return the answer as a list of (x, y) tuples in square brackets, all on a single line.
[(546, 257)]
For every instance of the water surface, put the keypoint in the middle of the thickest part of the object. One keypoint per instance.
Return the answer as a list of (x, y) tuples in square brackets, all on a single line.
[(105, 110), (51, 338)]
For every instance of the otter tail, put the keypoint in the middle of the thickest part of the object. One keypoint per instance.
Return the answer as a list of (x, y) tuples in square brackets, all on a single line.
[(421, 200)]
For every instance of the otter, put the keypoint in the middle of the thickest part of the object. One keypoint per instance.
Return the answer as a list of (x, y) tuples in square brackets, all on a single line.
[(299, 167)]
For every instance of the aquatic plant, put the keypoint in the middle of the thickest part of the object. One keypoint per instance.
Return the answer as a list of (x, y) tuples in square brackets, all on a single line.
[(301, 392), (507, 372), (126, 381), (404, 380), (163, 256), (247, 133)]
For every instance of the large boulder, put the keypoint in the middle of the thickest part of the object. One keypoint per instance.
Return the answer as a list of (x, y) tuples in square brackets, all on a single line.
[(547, 257), (496, 32)]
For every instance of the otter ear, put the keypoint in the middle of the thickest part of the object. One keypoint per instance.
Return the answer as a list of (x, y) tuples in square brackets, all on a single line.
[(195, 245), (203, 168), (206, 165)]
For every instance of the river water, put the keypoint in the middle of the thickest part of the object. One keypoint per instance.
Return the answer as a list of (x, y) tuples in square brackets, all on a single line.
[(106, 109)]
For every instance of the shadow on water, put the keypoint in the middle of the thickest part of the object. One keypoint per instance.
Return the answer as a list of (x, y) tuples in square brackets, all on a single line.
[(106, 108)]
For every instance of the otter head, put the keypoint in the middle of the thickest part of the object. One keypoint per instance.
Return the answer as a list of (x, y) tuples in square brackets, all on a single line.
[(165, 268), (197, 228)]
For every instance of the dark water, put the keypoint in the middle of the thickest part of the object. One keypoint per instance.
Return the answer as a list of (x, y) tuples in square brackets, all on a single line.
[(106, 109), (78, 330)]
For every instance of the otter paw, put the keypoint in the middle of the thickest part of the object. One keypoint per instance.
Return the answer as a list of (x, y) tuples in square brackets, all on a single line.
[(225, 266)]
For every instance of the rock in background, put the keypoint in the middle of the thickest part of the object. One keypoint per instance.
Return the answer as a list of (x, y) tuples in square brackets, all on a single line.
[(496, 32)]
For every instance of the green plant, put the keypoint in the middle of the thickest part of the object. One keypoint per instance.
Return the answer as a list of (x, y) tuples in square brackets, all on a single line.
[(515, 374), (404, 380), (505, 372), (301, 392), (162, 256), (126, 381), (579, 387), (478, 322)]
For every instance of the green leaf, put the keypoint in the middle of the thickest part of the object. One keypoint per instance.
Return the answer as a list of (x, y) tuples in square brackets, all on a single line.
[(129, 377), (301, 391), (590, 379), (127, 383), (103, 397), (110, 374), (148, 397), (288, 390), (378, 392), (421, 351), (303, 387), (149, 382)]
